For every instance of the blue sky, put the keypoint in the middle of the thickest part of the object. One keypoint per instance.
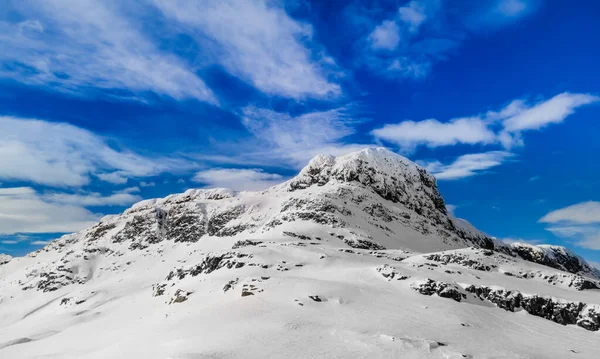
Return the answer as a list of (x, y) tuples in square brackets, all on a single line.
[(106, 103)]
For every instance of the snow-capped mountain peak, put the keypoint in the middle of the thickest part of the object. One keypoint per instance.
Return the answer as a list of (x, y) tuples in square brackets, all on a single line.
[(323, 258)]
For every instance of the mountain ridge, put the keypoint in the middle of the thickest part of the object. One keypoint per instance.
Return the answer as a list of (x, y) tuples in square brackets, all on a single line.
[(394, 178), (323, 258)]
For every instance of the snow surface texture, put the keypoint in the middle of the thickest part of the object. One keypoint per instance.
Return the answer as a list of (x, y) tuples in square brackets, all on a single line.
[(355, 257)]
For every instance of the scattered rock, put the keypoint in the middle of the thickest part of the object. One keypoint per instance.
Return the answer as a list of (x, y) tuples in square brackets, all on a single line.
[(180, 296)]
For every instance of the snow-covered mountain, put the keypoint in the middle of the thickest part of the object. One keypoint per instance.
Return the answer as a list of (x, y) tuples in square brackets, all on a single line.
[(355, 257)]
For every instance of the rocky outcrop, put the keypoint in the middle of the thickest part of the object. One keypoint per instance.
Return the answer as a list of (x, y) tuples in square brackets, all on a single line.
[(392, 177), (462, 259), (390, 273), (556, 257), (210, 264), (557, 310), (4, 258), (442, 289)]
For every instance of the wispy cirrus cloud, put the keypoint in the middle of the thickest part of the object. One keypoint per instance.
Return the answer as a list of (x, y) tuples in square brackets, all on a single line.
[(63, 155), (500, 13), (23, 209), (122, 197), (258, 42), (281, 139), (580, 213), (294, 140), (241, 179), (433, 133), (579, 223), (504, 126), (27, 210), (81, 45), (466, 165), (407, 43), (519, 116)]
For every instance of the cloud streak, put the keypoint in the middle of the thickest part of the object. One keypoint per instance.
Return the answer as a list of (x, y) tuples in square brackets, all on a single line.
[(22, 209), (423, 32), (579, 222), (63, 155), (251, 179), (494, 127), (466, 165), (80, 45), (432, 133), (258, 42), (294, 140)]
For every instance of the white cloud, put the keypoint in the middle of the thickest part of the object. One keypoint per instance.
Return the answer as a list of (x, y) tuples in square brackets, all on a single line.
[(147, 184), (59, 154), (87, 199), (413, 14), (511, 240), (451, 208), (424, 32), (579, 222), (238, 179), (78, 45), (501, 13), (113, 177), (386, 36), (432, 133), (22, 209), (258, 42), (554, 110), (503, 127), (404, 66), (40, 243), (295, 140), (512, 7), (581, 213), (466, 165)]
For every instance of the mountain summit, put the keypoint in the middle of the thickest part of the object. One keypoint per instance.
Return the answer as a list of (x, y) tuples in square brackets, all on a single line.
[(356, 256)]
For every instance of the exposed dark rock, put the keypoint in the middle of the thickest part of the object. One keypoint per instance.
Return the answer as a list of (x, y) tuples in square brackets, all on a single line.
[(234, 230), (460, 259), (390, 273), (99, 231), (230, 285), (210, 264), (296, 235), (218, 220), (184, 225), (556, 257), (379, 211), (143, 229), (556, 310), (362, 244), (442, 289), (180, 296), (158, 289), (245, 243)]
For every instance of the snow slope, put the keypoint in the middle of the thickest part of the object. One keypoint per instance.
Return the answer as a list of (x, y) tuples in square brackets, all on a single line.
[(355, 257)]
